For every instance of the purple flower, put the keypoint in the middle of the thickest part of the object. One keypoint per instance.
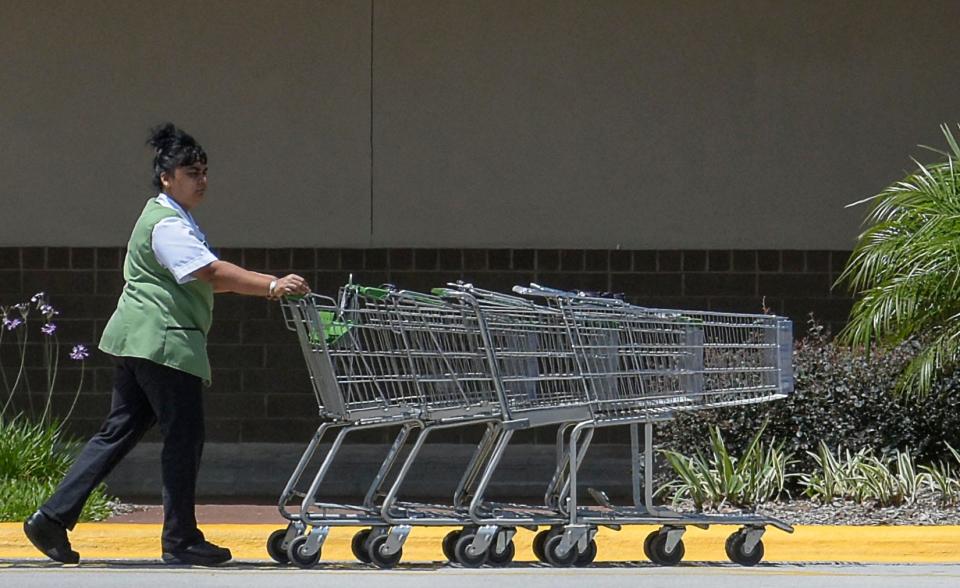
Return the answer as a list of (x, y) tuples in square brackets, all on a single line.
[(48, 311), (11, 324), (79, 353), (48, 329)]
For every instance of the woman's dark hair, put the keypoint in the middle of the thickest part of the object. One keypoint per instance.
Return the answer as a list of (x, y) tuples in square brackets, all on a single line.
[(174, 148)]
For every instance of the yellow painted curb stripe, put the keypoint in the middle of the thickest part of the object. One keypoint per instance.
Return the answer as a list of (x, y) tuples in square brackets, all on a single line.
[(897, 544)]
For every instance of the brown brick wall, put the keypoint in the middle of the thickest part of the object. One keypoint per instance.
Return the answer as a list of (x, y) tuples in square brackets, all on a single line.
[(261, 391)]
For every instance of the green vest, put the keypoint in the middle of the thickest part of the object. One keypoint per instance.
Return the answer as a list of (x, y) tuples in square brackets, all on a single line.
[(157, 318)]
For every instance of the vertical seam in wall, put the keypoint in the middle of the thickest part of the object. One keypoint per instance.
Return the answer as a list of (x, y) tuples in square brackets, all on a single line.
[(372, 7)]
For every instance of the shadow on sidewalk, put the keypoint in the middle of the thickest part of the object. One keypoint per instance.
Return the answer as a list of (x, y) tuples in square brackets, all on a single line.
[(266, 565)]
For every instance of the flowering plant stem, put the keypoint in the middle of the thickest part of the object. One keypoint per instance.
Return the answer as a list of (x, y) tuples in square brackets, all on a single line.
[(51, 355), (22, 342), (17, 318)]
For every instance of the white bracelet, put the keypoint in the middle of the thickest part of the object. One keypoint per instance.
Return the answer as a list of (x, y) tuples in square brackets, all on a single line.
[(273, 286)]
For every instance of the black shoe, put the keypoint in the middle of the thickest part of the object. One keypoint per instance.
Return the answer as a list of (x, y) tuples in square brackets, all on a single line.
[(199, 554), (50, 538)]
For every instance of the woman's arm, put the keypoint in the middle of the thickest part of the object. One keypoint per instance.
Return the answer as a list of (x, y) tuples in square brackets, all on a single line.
[(227, 277)]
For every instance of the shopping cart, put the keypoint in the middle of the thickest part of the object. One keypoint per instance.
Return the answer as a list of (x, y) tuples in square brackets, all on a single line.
[(566, 374), (537, 376), (377, 359), (383, 358), (715, 360)]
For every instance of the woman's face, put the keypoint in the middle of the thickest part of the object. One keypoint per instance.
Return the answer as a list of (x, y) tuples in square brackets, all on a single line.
[(186, 184)]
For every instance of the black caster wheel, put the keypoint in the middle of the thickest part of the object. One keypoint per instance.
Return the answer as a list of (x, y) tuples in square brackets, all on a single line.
[(275, 547), (358, 545), (647, 542), (295, 551), (587, 556), (554, 558), (504, 557), (449, 543), (727, 546), (735, 548), (659, 554), (464, 552), (377, 557), (538, 540)]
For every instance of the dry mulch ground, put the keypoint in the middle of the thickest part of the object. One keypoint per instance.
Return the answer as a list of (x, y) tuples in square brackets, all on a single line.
[(927, 509)]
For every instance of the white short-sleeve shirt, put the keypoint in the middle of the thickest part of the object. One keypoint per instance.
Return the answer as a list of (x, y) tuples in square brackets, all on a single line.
[(179, 244)]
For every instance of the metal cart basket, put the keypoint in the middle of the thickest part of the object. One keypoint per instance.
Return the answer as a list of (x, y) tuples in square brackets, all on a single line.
[(464, 356)]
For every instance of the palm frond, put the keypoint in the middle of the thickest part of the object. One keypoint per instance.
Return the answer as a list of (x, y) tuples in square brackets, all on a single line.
[(936, 355), (905, 269)]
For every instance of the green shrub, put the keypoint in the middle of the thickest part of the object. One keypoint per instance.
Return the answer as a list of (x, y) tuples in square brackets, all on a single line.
[(20, 498), (864, 477), (758, 476), (943, 476), (33, 460), (835, 475)]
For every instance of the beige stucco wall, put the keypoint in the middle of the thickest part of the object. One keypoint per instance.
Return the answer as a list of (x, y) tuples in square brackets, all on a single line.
[(277, 92), (492, 123)]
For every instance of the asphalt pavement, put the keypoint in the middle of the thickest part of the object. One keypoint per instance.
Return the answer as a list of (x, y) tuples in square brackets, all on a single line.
[(148, 573)]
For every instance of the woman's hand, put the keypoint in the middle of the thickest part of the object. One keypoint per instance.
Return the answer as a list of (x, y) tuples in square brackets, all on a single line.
[(290, 284)]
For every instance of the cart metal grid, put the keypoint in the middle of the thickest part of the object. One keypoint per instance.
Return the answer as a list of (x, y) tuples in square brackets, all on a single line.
[(379, 357)]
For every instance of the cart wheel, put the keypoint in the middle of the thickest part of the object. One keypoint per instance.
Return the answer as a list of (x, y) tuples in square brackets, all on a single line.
[(659, 553), (538, 540), (589, 554), (359, 545), (377, 557), (736, 552), (504, 557), (647, 542), (297, 555), (464, 552), (727, 547), (449, 543), (553, 556), (275, 547)]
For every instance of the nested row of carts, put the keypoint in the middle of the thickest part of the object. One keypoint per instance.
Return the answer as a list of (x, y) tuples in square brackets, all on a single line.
[(461, 356)]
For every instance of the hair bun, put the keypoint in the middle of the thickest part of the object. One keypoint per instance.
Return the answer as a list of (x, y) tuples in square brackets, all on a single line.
[(164, 136)]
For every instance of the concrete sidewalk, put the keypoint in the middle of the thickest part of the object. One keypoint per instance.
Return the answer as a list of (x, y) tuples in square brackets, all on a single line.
[(244, 529)]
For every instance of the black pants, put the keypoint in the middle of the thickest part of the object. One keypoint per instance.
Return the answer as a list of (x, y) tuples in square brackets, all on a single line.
[(144, 393)]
